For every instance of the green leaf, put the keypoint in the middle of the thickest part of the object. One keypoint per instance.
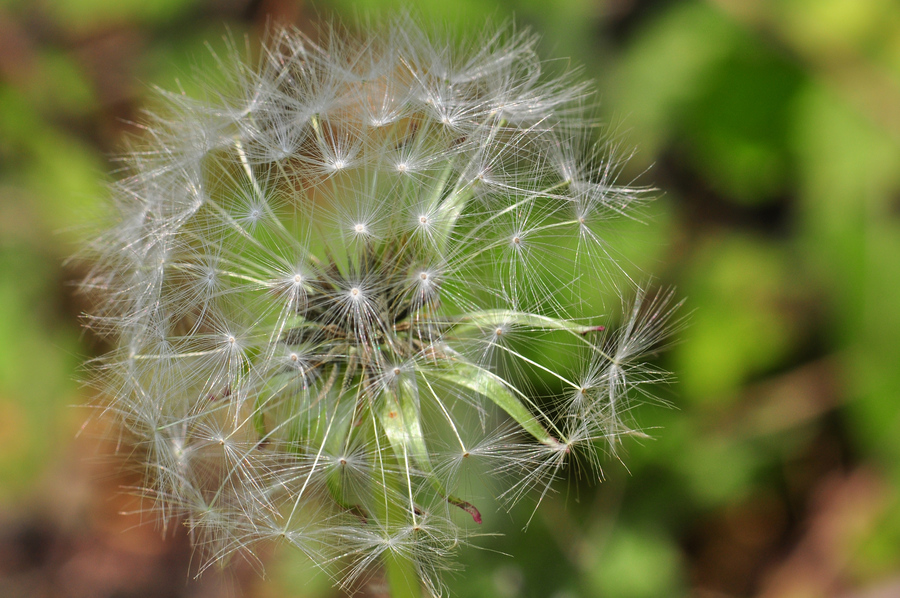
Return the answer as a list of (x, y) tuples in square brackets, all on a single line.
[(449, 209), (489, 385), (338, 438), (402, 422), (401, 419), (491, 318)]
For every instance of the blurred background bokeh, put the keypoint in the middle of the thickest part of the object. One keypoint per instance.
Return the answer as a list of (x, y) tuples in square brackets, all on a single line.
[(772, 130)]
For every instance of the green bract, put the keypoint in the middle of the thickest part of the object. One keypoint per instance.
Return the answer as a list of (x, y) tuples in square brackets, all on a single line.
[(335, 282)]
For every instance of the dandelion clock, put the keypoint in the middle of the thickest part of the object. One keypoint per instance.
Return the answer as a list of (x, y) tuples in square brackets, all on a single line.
[(356, 274)]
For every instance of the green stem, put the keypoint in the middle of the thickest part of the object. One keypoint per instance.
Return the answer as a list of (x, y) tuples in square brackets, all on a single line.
[(402, 577), (399, 570)]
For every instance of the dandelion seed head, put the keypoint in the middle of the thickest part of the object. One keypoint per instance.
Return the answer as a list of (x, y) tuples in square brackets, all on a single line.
[(332, 280)]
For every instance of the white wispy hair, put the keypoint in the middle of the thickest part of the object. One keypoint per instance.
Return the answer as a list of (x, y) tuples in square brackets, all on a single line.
[(337, 281)]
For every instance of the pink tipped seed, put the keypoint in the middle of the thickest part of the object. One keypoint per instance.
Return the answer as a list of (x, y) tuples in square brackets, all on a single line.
[(594, 329)]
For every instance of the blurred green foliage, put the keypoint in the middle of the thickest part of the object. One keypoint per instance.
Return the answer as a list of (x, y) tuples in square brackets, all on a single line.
[(772, 129)]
